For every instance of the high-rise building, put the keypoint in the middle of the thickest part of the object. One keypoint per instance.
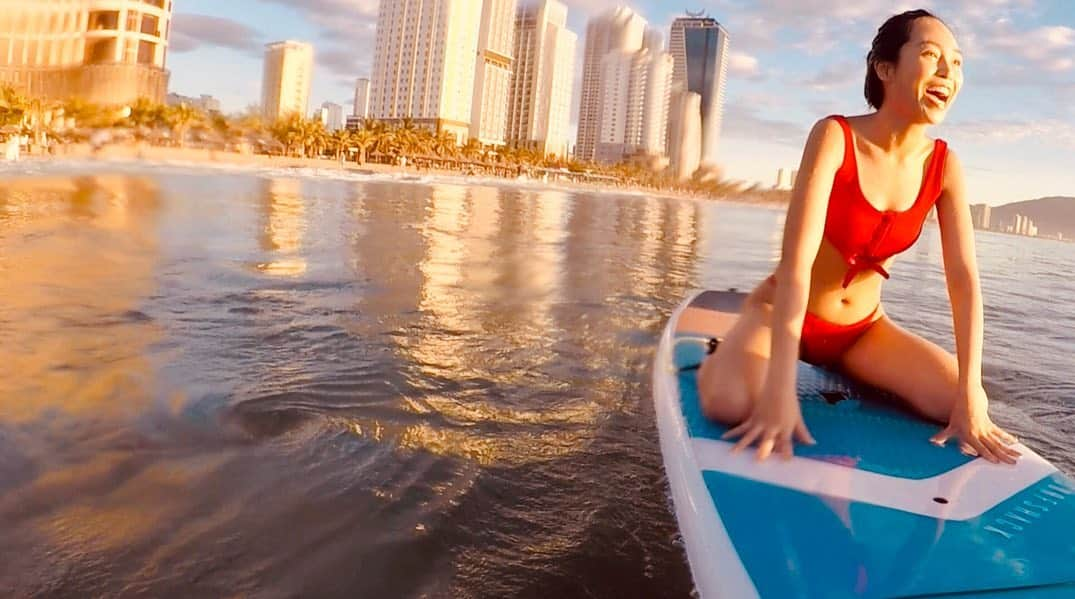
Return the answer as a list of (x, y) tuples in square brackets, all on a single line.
[(699, 46), (635, 94), (685, 134), (492, 72), (331, 116), (285, 81), (980, 215), (539, 105), (362, 98), (423, 63), (618, 30), (205, 103), (108, 52), (781, 179)]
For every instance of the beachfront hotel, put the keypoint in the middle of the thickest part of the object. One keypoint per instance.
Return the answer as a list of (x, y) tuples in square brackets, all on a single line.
[(617, 30), (423, 63), (285, 80), (699, 46), (108, 52), (539, 105), (635, 92), (361, 108), (331, 116), (492, 72)]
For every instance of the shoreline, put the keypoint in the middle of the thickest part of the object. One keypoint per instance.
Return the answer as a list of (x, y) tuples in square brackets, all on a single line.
[(210, 159)]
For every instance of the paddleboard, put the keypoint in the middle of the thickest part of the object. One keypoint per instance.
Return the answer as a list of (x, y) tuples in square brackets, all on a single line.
[(873, 510)]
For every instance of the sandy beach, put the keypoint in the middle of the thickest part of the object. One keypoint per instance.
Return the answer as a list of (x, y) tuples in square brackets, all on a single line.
[(167, 155)]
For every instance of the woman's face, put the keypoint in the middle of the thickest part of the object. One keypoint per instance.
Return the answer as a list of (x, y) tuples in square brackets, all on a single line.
[(929, 75)]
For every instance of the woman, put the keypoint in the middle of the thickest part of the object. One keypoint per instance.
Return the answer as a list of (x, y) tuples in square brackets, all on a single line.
[(865, 186)]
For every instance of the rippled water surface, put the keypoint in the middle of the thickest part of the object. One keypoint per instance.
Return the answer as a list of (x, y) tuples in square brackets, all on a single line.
[(224, 384)]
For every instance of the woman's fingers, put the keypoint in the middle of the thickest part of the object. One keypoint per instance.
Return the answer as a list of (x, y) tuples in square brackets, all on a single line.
[(999, 449), (738, 430), (1005, 436), (748, 439), (765, 448), (942, 437), (803, 434), (983, 450), (783, 447)]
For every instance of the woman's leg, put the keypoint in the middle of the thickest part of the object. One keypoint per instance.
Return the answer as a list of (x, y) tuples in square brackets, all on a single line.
[(730, 379), (892, 358)]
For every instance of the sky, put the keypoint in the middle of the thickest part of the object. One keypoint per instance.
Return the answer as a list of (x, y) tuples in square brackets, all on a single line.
[(792, 62)]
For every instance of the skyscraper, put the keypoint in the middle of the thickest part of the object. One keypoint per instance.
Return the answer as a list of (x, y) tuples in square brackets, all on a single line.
[(539, 105), (285, 81), (362, 98), (617, 30), (699, 46), (685, 134), (423, 63), (980, 215), (635, 88), (103, 51), (492, 72), (331, 116)]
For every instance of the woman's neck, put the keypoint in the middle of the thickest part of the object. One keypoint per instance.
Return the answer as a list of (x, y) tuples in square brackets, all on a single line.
[(894, 133)]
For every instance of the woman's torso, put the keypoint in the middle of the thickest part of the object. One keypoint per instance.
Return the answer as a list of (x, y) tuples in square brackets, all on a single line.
[(877, 208)]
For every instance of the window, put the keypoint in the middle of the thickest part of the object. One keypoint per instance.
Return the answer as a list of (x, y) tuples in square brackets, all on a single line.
[(146, 52), (132, 20), (104, 20), (150, 25)]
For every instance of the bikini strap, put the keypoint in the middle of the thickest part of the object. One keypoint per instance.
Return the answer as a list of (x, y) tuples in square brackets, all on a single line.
[(935, 173), (849, 149)]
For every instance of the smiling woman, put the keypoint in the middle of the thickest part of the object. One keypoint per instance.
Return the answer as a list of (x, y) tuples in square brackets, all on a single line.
[(867, 187)]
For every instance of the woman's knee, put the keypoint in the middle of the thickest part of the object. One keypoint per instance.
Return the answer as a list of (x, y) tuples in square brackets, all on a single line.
[(723, 401)]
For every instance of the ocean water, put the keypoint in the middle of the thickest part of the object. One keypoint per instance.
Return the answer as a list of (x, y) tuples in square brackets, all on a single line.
[(275, 384)]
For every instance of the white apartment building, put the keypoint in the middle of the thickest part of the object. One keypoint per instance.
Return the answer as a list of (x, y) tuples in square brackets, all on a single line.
[(635, 95), (362, 98), (619, 30), (109, 52), (424, 63), (285, 81), (539, 106), (492, 72), (331, 116)]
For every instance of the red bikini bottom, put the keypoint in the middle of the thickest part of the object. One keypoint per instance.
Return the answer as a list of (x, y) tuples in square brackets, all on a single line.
[(823, 343)]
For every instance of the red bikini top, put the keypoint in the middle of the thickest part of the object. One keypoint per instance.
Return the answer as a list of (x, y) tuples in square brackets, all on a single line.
[(865, 235)]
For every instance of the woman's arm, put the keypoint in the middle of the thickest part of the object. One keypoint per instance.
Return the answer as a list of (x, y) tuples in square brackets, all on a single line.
[(776, 416), (803, 231), (969, 419)]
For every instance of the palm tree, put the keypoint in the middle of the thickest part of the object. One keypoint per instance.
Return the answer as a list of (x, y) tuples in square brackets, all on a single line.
[(180, 118), (338, 142), (363, 138), (472, 150), (443, 144), (313, 137), (13, 107)]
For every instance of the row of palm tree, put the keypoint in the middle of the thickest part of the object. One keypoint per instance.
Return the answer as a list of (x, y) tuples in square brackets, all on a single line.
[(297, 136)]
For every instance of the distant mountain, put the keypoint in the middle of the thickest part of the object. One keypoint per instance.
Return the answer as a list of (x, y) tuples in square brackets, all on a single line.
[(1052, 215)]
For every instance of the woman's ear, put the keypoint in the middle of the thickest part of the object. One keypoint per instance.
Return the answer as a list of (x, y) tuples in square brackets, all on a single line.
[(885, 70)]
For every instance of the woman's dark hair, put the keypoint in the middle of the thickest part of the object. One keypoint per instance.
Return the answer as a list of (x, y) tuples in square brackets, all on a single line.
[(891, 36)]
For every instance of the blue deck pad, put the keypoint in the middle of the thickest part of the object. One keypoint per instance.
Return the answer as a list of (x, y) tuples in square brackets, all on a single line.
[(795, 544), (872, 435)]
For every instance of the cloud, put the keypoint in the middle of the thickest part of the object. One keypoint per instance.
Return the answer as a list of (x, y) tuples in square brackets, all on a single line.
[(1007, 131), (744, 66), (837, 75), (347, 30), (743, 120), (191, 31)]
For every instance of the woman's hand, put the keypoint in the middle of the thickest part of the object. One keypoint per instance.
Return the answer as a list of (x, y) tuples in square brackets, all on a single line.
[(970, 423), (775, 420)]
